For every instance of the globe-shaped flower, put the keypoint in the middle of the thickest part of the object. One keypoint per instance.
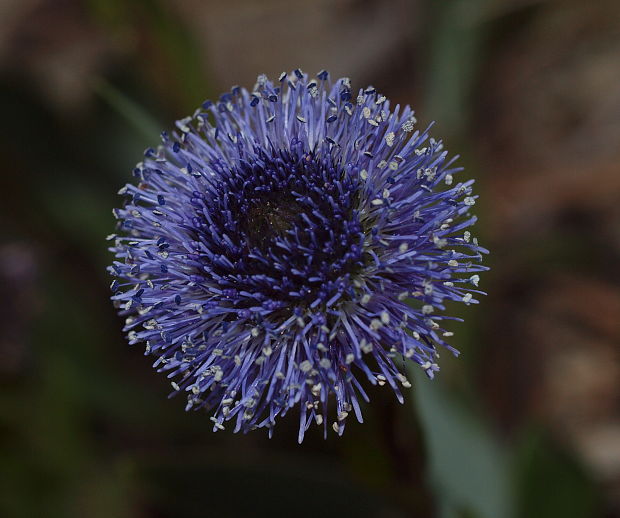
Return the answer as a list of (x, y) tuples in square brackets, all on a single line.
[(287, 242)]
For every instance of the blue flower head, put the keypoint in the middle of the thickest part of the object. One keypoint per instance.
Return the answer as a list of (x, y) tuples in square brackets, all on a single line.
[(286, 244)]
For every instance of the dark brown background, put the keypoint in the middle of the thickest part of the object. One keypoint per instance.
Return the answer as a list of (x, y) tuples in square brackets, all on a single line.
[(525, 423)]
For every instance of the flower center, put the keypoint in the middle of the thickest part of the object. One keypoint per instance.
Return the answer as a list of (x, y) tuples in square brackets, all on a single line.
[(269, 216), (283, 226)]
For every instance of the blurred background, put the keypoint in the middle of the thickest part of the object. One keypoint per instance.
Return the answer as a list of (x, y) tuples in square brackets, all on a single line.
[(526, 423)]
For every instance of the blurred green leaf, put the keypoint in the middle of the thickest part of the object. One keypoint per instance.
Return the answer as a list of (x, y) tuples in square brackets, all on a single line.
[(179, 63), (186, 60), (456, 43), (467, 467)]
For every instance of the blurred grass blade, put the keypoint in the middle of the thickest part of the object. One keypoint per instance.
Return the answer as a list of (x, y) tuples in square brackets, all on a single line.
[(139, 118)]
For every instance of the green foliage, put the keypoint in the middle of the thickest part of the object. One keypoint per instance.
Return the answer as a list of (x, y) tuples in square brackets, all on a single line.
[(550, 482), (467, 466)]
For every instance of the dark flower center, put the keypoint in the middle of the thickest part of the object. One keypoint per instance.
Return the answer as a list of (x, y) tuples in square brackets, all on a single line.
[(283, 226), (269, 216)]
